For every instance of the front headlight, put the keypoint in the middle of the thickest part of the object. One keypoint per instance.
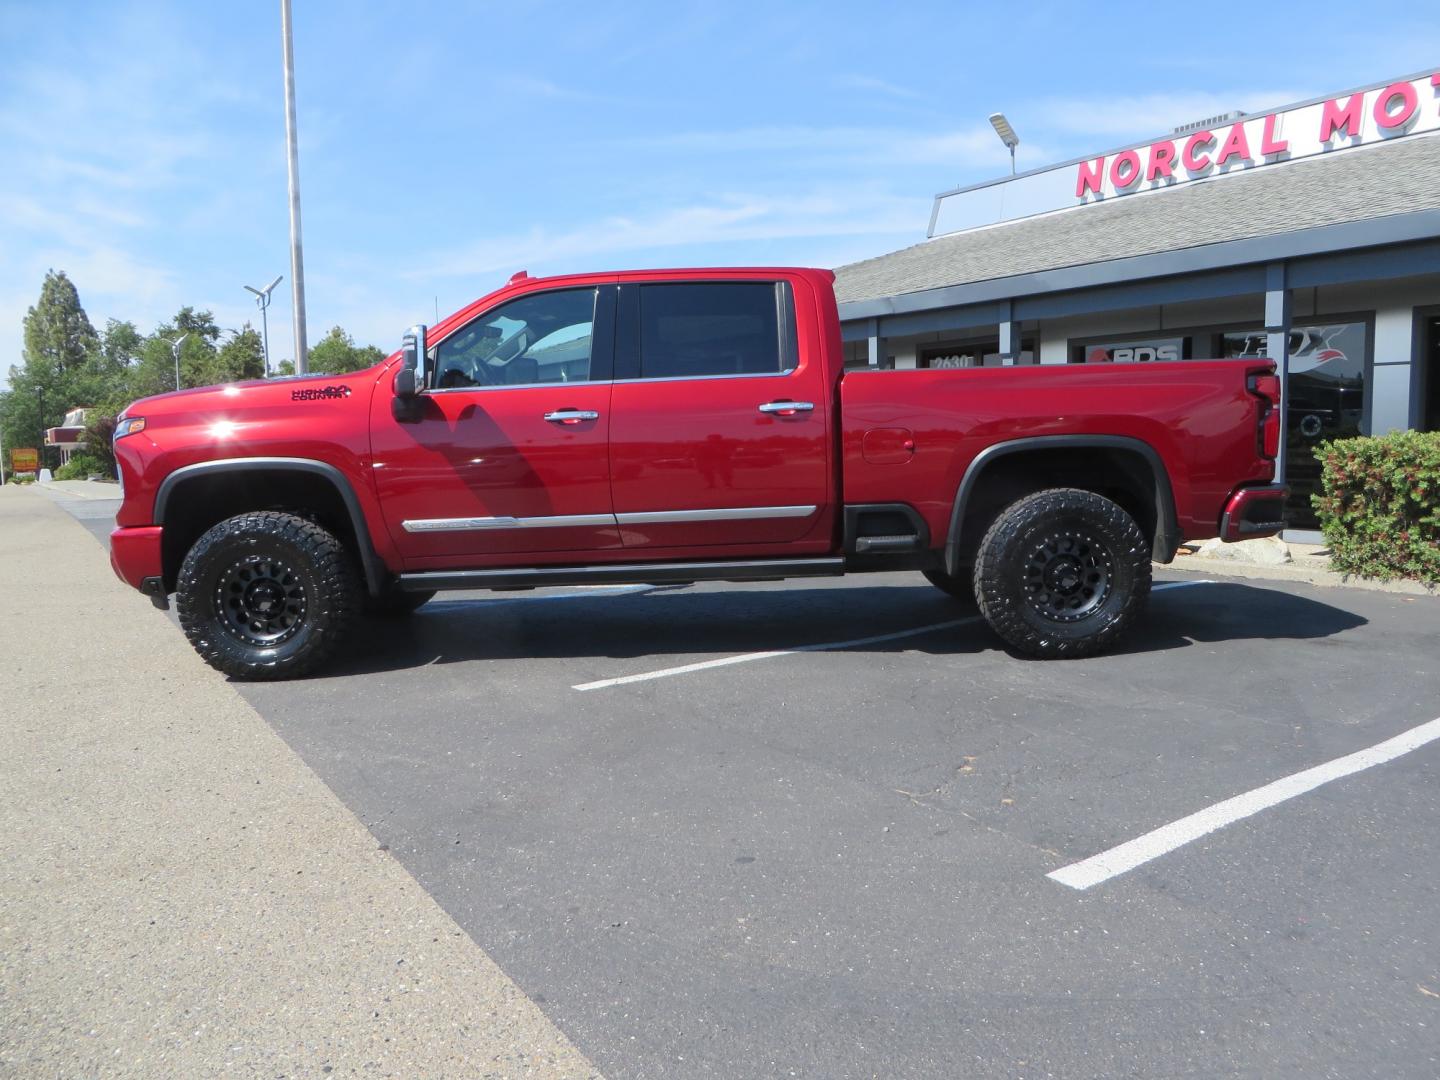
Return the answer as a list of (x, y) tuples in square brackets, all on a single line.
[(129, 426)]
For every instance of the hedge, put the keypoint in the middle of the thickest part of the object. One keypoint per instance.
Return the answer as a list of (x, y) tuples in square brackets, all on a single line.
[(79, 467), (1380, 507)]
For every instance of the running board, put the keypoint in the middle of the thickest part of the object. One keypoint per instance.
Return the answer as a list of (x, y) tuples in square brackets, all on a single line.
[(683, 573)]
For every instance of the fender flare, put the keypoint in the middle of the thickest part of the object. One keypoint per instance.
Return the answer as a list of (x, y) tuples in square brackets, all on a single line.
[(1167, 528), (376, 574)]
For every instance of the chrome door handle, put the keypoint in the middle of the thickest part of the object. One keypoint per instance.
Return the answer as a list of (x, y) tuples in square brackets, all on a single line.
[(787, 408), (571, 416)]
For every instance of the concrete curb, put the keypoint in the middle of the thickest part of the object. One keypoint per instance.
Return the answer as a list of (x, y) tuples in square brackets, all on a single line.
[(1304, 570), (183, 896)]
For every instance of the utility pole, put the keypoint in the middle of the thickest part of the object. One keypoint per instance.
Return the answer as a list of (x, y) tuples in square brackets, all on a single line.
[(297, 259)]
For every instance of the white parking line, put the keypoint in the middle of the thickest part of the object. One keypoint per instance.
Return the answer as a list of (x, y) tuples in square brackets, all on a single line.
[(747, 658), (1118, 860)]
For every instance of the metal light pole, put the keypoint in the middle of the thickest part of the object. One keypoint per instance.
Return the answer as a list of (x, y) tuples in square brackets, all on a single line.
[(1007, 136), (175, 351), (297, 260), (262, 300), (40, 453)]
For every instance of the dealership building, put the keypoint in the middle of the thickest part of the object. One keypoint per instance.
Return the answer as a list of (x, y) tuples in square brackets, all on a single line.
[(1316, 225)]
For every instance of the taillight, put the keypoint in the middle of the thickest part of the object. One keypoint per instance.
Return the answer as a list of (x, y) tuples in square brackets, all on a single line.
[(1267, 389)]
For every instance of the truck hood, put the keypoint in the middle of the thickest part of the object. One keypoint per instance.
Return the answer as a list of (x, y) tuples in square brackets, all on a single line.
[(232, 399)]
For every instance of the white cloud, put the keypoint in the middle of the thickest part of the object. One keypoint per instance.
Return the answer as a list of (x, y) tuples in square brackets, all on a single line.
[(960, 148), (872, 84), (102, 149), (1143, 115), (722, 220)]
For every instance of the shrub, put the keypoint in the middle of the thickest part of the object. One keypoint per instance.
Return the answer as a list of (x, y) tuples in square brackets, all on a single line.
[(1380, 507), (97, 439), (20, 478), (79, 467)]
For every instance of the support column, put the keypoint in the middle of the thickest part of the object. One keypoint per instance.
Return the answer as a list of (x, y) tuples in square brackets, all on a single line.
[(1009, 335), (872, 341), (1277, 347)]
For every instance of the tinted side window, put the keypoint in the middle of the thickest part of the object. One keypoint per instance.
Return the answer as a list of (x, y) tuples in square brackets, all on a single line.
[(715, 328), (541, 338)]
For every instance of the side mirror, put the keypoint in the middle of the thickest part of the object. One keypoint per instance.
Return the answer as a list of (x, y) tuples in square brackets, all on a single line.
[(405, 386), (407, 406), (412, 348)]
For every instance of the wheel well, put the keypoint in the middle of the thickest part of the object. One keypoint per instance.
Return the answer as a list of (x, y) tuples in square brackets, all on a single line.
[(1124, 477), (197, 503)]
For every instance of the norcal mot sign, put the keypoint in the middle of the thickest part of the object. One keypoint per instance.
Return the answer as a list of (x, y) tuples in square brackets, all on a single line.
[(1400, 108), (1368, 115)]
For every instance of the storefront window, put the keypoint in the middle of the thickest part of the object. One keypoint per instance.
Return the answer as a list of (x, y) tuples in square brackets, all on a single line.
[(1327, 398), (978, 354), (1143, 351)]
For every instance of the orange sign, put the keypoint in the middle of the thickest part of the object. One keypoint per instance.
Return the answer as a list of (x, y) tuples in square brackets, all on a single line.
[(24, 460)]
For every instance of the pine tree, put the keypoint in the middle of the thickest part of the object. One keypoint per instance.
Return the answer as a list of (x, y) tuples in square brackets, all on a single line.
[(58, 334), (60, 346)]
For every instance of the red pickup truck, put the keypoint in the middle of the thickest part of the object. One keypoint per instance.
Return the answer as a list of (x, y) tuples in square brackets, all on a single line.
[(678, 426)]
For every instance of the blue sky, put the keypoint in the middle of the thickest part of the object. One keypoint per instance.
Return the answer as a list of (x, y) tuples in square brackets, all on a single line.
[(445, 145)]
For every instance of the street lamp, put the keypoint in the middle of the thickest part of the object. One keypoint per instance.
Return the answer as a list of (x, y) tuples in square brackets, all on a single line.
[(1007, 136), (40, 454), (175, 350), (262, 300)]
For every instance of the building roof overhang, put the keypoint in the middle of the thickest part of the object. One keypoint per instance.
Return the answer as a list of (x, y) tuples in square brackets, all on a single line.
[(1336, 206)]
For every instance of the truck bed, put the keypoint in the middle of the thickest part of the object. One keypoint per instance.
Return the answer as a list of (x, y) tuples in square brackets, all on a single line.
[(1198, 415)]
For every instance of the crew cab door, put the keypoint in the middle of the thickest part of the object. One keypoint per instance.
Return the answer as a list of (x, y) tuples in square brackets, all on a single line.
[(508, 456), (719, 430)]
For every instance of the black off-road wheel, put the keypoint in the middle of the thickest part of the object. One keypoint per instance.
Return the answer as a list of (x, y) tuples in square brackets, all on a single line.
[(267, 596), (1062, 573), (396, 604)]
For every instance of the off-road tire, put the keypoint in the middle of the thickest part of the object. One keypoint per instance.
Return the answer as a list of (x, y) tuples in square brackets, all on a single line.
[(1062, 573), (396, 603), (959, 585), (235, 576)]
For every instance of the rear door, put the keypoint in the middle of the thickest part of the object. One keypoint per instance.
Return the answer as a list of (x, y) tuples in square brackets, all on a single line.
[(719, 430)]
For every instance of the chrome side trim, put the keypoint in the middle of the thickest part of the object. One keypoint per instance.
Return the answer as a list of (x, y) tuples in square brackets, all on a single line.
[(580, 521), (464, 524), (706, 378), (481, 388), (739, 513)]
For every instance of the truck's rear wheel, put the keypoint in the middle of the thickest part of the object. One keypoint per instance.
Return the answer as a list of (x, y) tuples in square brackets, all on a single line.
[(1062, 573), (267, 595)]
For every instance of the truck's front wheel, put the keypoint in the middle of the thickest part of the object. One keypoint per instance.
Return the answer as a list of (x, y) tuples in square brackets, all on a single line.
[(1062, 573), (267, 595)]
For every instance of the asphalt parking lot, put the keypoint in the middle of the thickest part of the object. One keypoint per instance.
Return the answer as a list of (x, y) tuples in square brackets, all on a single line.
[(709, 844)]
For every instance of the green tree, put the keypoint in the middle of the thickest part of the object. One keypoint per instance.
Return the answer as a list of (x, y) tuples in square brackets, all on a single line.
[(199, 358), (243, 356), (337, 353), (57, 364), (58, 333), (120, 344)]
